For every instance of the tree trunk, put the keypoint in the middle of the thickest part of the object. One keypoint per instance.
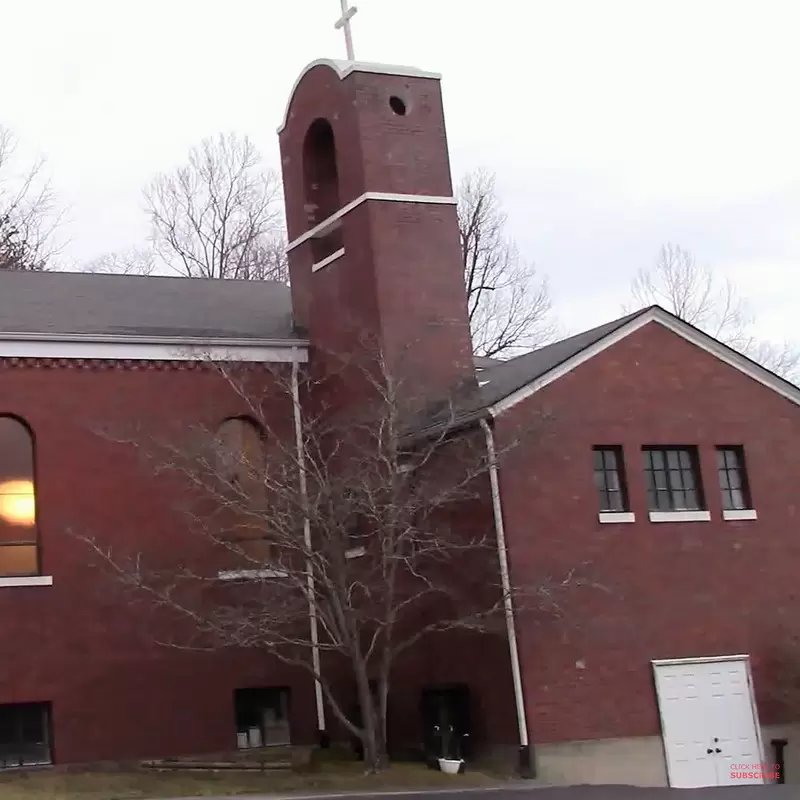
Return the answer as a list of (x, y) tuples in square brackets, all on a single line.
[(373, 738)]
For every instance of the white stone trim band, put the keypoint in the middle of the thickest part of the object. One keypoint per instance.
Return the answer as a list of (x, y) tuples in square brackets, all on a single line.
[(318, 230), (329, 260)]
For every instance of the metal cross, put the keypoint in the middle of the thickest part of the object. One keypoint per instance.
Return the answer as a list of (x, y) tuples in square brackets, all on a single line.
[(344, 22)]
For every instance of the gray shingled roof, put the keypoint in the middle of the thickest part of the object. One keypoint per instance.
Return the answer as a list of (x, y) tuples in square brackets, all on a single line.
[(63, 303), (507, 376), (503, 378)]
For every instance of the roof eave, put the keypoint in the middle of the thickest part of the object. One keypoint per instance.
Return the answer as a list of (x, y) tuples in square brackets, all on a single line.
[(459, 423), (652, 314)]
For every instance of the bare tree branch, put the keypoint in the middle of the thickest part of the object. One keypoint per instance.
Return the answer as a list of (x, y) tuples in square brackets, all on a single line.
[(391, 554), (219, 215), (509, 304), (134, 261), (700, 297), (27, 211)]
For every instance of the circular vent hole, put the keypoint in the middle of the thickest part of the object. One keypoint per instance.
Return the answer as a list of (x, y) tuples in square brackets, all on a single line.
[(397, 104)]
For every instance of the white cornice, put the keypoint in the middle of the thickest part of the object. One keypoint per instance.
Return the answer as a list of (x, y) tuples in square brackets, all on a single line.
[(117, 338), (149, 348), (345, 68), (386, 197)]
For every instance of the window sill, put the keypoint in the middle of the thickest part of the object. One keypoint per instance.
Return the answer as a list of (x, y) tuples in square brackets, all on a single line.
[(616, 516), (27, 580), (355, 552), (245, 574), (680, 516), (739, 513)]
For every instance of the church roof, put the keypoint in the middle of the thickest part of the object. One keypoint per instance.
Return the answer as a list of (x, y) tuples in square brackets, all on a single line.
[(505, 383), (506, 377), (84, 304)]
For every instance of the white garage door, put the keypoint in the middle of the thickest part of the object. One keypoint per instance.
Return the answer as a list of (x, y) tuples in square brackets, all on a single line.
[(709, 721)]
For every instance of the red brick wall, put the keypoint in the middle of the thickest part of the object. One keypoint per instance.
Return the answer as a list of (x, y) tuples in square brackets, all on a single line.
[(82, 644), (671, 589), (400, 283)]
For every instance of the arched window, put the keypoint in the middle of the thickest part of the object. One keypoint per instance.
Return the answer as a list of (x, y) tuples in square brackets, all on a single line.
[(321, 185), (241, 453), (320, 173), (241, 463), (19, 552)]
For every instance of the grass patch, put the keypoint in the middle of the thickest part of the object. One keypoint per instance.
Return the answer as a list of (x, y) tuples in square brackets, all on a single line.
[(336, 777)]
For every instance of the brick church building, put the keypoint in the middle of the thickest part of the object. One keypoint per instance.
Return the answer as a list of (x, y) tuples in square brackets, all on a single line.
[(668, 471)]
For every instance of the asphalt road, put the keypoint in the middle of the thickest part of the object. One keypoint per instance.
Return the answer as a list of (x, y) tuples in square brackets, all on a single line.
[(533, 792)]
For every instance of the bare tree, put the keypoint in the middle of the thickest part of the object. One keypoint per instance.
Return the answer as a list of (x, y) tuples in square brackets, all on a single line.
[(218, 215), (339, 542), (133, 261), (27, 219), (509, 304), (702, 298)]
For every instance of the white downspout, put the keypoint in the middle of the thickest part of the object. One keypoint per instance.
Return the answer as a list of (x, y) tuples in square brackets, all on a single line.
[(312, 609), (508, 602)]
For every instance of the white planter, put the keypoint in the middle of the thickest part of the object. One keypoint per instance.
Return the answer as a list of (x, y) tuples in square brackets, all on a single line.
[(450, 766)]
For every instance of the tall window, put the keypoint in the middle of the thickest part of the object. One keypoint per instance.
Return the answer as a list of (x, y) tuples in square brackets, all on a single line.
[(24, 735), (673, 479), (733, 478), (609, 478), (18, 539), (240, 452), (241, 464)]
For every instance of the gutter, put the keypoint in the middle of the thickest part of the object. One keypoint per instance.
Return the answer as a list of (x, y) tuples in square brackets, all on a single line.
[(527, 765), (312, 609)]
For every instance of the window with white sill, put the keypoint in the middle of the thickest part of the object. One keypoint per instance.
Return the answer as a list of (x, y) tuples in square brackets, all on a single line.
[(734, 485), (610, 482), (673, 480)]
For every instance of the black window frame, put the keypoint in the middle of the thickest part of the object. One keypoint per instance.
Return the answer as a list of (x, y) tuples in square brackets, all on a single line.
[(672, 474), (611, 462), (729, 474), (17, 749)]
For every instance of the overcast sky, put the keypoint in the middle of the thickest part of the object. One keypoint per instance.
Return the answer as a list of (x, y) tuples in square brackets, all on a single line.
[(612, 125)]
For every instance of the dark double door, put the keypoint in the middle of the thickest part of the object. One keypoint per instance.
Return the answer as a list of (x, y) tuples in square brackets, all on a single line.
[(447, 722)]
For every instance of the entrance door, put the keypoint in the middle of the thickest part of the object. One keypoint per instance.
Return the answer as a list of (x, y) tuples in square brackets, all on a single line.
[(708, 721), (446, 721)]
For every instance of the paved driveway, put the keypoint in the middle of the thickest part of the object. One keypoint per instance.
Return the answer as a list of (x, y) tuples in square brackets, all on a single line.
[(532, 792)]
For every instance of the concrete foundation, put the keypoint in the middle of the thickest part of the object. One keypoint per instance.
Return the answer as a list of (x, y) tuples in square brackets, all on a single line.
[(636, 761), (640, 761)]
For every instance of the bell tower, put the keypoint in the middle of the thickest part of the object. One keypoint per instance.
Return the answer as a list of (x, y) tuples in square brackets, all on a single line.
[(374, 250)]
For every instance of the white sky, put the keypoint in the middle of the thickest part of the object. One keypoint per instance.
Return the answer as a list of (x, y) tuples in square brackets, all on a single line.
[(613, 125)]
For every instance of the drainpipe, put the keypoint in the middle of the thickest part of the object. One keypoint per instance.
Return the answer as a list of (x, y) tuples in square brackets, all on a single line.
[(324, 739), (779, 745), (527, 767)]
